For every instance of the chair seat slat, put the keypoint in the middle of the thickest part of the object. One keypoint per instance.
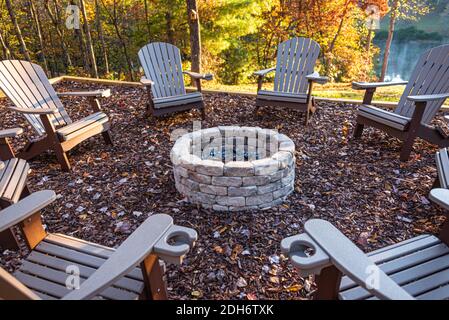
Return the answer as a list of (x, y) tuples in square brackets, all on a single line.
[(87, 249), (60, 277)]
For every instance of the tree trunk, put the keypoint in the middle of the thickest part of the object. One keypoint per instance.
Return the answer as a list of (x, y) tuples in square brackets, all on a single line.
[(81, 43), (5, 49), (195, 36), (389, 39), (147, 19), (340, 26), (368, 41), (114, 21), (101, 37), (169, 27), (38, 28), (54, 19), (90, 47), (17, 30)]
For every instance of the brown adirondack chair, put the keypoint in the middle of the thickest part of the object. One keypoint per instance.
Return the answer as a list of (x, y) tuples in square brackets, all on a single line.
[(27, 86), (13, 181), (63, 267), (164, 80), (294, 78), (416, 268), (423, 96)]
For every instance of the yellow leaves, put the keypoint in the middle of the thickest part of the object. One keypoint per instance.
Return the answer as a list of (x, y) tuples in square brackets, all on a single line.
[(222, 229), (274, 280), (218, 249), (294, 288), (196, 294), (236, 251)]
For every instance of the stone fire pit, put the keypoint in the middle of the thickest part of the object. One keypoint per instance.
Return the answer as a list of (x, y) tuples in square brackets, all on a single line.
[(234, 168)]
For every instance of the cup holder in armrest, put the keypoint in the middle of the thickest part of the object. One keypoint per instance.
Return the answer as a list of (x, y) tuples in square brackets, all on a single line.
[(305, 254), (175, 244)]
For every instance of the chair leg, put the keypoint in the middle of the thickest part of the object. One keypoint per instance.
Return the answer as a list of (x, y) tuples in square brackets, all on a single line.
[(313, 105), (436, 183), (8, 240), (107, 137), (155, 286), (407, 148), (62, 158), (443, 234), (358, 130), (203, 113), (328, 284), (307, 117), (34, 148)]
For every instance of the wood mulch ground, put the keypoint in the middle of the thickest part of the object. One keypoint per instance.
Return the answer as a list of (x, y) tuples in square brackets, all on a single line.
[(360, 186)]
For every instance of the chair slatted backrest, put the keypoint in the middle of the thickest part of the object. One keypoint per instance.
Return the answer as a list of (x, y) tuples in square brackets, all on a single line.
[(296, 58), (430, 76), (162, 64), (27, 86)]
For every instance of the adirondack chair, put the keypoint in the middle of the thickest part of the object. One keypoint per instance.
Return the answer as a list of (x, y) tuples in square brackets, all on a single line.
[(164, 80), (417, 268), (58, 263), (13, 181), (423, 96), (442, 164), (28, 88), (294, 78)]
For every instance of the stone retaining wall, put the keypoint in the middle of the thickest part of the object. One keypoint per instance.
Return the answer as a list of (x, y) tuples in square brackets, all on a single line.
[(207, 171)]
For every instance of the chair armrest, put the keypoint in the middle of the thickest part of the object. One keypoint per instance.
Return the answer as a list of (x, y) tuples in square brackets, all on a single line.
[(25, 208), (315, 77), (94, 94), (34, 111), (146, 82), (440, 196), (264, 72), (10, 133), (131, 252), (374, 85), (330, 246), (350, 260), (428, 97), (199, 76)]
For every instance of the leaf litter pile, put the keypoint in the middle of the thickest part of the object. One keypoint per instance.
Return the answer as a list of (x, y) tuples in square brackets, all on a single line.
[(360, 186)]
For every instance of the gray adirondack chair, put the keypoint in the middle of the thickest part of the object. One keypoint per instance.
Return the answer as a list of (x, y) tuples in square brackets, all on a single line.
[(13, 181), (294, 78), (164, 80), (442, 164), (417, 268), (58, 263), (28, 88), (423, 96)]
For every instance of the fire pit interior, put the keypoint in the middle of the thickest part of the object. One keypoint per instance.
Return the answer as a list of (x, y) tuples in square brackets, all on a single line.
[(234, 168)]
